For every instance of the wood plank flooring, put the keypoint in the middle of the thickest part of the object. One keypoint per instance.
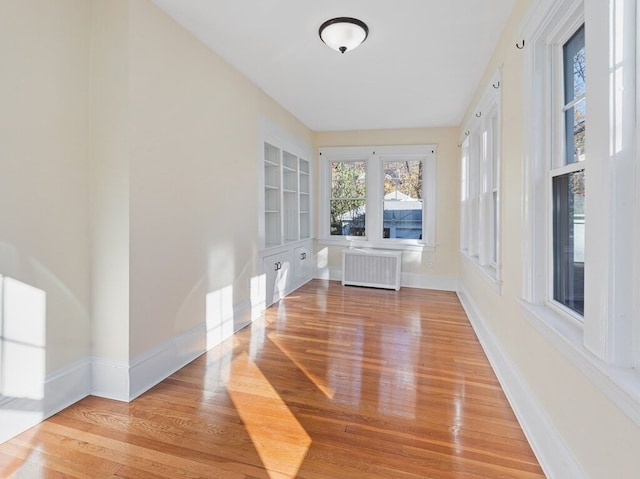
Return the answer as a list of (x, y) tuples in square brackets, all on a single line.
[(333, 382)]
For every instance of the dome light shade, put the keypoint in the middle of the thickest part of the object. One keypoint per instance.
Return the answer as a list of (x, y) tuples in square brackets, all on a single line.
[(343, 34)]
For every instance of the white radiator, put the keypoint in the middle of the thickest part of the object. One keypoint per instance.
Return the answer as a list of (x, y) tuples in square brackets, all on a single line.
[(375, 268)]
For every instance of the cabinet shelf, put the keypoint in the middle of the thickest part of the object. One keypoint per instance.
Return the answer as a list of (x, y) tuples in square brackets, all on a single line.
[(286, 193)]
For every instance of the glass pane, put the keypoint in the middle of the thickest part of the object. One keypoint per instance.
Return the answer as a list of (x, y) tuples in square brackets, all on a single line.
[(494, 218), (348, 217), (574, 62), (402, 210), (569, 240), (575, 121), (348, 198), (574, 96)]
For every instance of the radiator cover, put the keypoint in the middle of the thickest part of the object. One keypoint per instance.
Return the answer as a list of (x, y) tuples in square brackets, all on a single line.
[(375, 268)]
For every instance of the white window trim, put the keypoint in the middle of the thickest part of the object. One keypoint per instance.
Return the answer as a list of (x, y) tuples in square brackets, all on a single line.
[(477, 251), (374, 156), (606, 347)]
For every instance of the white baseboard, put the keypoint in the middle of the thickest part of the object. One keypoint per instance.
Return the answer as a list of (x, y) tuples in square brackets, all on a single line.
[(67, 386), (424, 281), (554, 456), (408, 280), (150, 368), (124, 381), (110, 379), (60, 390)]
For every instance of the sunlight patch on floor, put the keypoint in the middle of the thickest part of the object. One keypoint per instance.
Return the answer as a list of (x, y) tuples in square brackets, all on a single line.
[(278, 437), (319, 382)]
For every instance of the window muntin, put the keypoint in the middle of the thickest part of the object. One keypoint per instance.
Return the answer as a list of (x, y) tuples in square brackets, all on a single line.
[(402, 208), (568, 184), (347, 202)]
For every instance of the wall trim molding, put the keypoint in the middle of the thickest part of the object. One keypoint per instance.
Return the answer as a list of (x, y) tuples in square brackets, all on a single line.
[(424, 281), (67, 386), (125, 381), (554, 456), (152, 367), (409, 280), (110, 378), (61, 389)]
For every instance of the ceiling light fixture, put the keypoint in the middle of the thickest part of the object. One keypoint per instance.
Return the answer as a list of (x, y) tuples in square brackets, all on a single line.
[(343, 33)]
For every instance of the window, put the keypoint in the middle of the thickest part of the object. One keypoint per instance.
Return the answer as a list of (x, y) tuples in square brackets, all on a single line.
[(378, 196), (480, 185), (402, 199), (348, 198), (568, 182), (580, 276)]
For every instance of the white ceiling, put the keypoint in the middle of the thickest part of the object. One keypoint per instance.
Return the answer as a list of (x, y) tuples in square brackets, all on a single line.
[(418, 68)]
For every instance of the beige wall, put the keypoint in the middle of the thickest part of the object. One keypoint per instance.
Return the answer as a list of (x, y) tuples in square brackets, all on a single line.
[(603, 440), (193, 177), (129, 173), (44, 147), (445, 257), (110, 179)]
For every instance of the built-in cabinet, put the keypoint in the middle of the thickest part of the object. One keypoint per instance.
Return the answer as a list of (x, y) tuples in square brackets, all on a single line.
[(286, 212)]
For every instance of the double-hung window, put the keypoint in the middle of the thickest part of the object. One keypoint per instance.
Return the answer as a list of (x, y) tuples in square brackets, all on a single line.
[(480, 184), (568, 181), (580, 277), (378, 196)]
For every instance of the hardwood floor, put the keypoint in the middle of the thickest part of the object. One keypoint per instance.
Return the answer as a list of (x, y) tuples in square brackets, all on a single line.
[(333, 382)]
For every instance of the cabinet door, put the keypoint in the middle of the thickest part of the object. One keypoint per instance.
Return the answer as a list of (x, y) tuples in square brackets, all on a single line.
[(276, 268), (303, 263)]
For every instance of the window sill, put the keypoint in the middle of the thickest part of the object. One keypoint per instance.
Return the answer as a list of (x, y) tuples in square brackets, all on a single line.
[(487, 272), (620, 385), (363, 243)]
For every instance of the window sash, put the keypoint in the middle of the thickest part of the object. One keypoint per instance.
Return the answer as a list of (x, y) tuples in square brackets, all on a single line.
[(568, 240)]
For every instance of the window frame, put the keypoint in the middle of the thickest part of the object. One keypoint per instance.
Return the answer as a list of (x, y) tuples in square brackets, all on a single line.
[(375, 156)]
